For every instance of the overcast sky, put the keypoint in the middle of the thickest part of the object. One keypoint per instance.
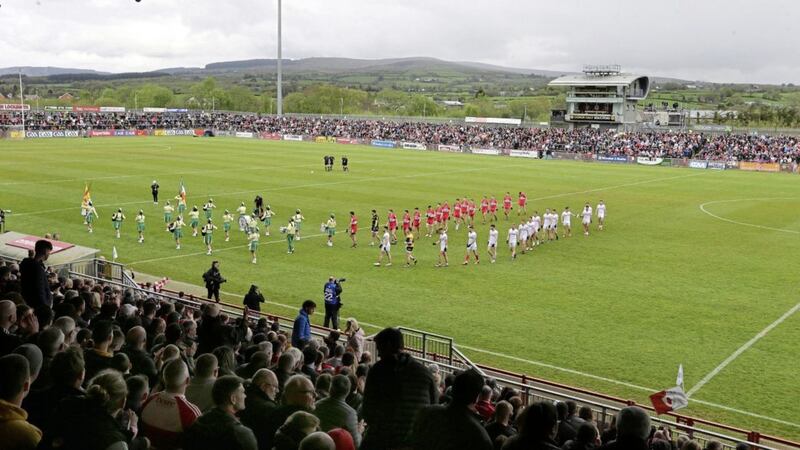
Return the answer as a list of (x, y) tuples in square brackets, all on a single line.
[(714, 40)]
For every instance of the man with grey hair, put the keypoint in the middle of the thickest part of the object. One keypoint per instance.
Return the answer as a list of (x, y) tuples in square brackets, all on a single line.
[(333, 412), (8, 317), (51, 341), (167, 414), (262, 392), (318, 441), (633, 429), (298, 395), (206, 369), (67, 326)]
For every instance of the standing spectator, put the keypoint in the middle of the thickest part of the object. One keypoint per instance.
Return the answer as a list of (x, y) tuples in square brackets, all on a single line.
[(254, 298), (397, 388), (167, 414), (586, 439), (219, 428), (454, 426), (333, 412), (154, 190), (205, 374), (301, 331), (500, 426), (355, 337), (141, 362), (260, 403), (332, 292), (213, 279), (539, 426), (572, 415), (35, 287), (15, 382), (633, 429), (566, 431), (484, 406)]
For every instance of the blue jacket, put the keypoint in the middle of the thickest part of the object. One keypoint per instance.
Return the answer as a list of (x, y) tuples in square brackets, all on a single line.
[(301, 332), (330, 293)]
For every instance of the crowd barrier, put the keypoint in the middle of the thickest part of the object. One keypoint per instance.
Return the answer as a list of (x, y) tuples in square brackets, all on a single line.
[(406, 145)]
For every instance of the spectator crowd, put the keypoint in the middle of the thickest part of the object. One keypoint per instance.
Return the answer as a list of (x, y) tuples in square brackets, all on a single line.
[(680, 144), (86, 365)]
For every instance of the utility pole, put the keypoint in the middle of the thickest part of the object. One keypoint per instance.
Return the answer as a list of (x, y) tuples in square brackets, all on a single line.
[(341, 106), (22, 102), (280, 68)]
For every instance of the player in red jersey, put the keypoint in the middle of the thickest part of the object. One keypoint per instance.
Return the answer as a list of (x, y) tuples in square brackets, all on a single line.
[(438, 215), (493, 208), (484, 208), (457, 212), (445, 214), (416, 221), (507, 204), (430, 219), (392, 219), (406, 222), (471, 212), (353, 227), (464, 206), (522, 202)]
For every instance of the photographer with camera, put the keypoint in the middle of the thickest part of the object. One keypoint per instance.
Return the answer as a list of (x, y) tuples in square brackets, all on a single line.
[(213, 280), (332, 292), (3, 213)]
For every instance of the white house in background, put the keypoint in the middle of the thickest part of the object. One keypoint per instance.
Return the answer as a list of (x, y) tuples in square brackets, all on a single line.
[(452, 103), (603, 97)]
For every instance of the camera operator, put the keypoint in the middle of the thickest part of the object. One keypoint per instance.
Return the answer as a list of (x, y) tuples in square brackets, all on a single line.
[(332, 292), (213, 280), (3, 213)]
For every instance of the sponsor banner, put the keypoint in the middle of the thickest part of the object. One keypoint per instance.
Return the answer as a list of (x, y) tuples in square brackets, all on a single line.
[(244, 134), (325, 139), (29, 243), (698, 164), (59, 134), (647, 161), (347, 141), (72, 133), (45, 134), (666, 161), (86, 108), (523, 153), (159, 132), (124, 133), (413, 146), (141, 133), (222, 133), (292, 137), (14, 107), (732, 164), (612, 158), (199, 132), (169, 132), (759, 166), (382, 144), (17, 134), (101, 133), (492, 120), (680, 162), (270, 136), (485, 151), (58, 108), (184, 132), (716, 165), (112, 109), (177, 110), (154, 110), (31, 134), (448, 148)]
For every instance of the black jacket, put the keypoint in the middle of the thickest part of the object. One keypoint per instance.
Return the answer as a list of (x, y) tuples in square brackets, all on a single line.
[(253, 301), (142, 364), (258, 409), (213, 278), (35, 289), (518, 442), (449, 428), (216, 430), (82, 424), (626, 443), (274, 421)]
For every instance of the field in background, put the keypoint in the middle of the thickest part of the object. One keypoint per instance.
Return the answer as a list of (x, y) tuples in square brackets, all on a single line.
[(667, 283)]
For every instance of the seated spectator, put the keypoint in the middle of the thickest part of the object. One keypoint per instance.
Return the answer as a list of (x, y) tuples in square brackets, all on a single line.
[(15, 382), (261, 402), (454, 426), (218, 428), (99, 356), (323, 386), (138, 389), (67, 371), (501, 423), (355, 337), (484, 406), (633, 429), (566, 431), (297, 426), (586, 414), (690, 445), (167, 414), (141, 362), (34, 357), (8, 317), (397, 388), (258, 360), (298, 395), (538, 429), (205, 374), (50, 341), (285, 369), (343, 439), (67, 326), (309, 363), (334, 412), (586, 438), (317, 441)]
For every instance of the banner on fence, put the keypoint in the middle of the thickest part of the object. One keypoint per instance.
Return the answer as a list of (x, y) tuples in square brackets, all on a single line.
[(177, 110), (492, 120), (58, 108), (759, 166), (169, 133), (244, 134), (698, 164), (383, 144), (271, 136), (612, 158), (716, 165), (292, 137), (142, 133), (413, 146), (647, 161), (485, 151), (448, 148), (154, 110), (86, 109), (325, 139), (16, 134), (523, 153), (112, 109), (101, 133), (346, 141), (124, 133), (14, 107), (159, 132)]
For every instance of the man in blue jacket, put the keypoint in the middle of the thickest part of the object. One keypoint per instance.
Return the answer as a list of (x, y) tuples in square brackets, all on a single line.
[(301, 332), (333, 302)]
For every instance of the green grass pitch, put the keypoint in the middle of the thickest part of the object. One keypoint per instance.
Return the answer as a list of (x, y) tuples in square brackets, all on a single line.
[(666, 283)]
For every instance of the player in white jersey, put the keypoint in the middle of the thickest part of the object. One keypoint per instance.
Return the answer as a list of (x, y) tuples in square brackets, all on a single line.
[(531, 234), (601, 215), (566, 220), (442, 248), (492, 246), (554, 223), (537, 222), (547, 225), (472, 246), (523, 236), (513, 233), (386, 248), (586, 218)]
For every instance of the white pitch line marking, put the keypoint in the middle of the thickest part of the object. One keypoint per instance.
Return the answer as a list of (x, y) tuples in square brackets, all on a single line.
[(741, 350), (745, 224)]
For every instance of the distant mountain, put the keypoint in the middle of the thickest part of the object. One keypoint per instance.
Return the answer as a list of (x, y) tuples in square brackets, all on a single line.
[(32, 71)]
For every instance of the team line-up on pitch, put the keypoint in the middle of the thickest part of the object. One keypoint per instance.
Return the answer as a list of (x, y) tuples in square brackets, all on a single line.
[(531, 230)]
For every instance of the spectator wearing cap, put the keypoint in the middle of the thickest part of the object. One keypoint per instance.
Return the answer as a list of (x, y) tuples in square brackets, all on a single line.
[(397, 388), (35, 287), (454, 426), (262, 392), (343, 439), (167, 414), (15, 431), (218, 428), (633, 429), (334, 412), (141, 362)]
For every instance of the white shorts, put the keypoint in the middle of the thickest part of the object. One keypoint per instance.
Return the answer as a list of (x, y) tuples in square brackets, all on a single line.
[(492, 245), (586, 221), (601, 216), (523, 237), (443, 248), (386, 248), (512, 244), (473, 247), (567, 224)]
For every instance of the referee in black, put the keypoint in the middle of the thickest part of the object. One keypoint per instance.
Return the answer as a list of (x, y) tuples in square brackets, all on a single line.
[(154, 189), (375, 226)]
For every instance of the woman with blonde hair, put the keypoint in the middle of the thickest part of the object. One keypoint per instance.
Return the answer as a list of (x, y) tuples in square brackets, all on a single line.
[(355, 337)]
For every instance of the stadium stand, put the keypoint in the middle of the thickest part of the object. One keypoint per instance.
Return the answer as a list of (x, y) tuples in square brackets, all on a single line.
[(422, 393)]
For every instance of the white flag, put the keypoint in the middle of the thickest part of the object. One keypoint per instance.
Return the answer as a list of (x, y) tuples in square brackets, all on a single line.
[(114, 253), (679, 380)]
